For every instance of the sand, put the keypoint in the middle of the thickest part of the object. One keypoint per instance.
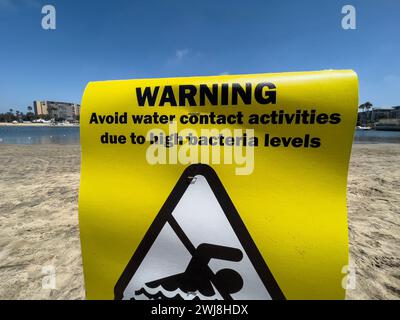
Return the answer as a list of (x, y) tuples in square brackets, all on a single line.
[(40, 235), (39, 222), (373, 198)]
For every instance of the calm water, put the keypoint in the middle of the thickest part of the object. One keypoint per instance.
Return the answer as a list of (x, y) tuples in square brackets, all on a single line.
[(39, 135), (70, 135), (372, 136)]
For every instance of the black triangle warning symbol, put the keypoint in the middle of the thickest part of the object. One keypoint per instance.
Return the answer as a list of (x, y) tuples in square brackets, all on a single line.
[(197, 248)]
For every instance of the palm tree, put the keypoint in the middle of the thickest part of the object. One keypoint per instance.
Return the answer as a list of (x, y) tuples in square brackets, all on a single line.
[(365, 106), (10, 114), (29, 115), (361, 108), (368, 106)]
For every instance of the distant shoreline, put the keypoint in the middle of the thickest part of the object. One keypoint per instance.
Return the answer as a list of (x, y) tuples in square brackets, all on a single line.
[(7, 124)]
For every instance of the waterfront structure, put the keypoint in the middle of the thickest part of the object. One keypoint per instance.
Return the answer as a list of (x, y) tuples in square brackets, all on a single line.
[(380, 118), (385, 113), (57, 110)]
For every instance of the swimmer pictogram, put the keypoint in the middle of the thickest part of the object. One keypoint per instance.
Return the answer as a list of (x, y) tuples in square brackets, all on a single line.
[(197, 248)]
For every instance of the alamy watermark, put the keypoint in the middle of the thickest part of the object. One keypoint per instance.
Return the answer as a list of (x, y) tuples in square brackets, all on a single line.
[(189, 146), (349, 280), (49, 277), (349, 19), (49, 18)]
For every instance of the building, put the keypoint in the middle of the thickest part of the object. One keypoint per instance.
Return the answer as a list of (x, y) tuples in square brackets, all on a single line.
[(57, 110), (380, 118), (385, 113), (40, 108), (77, 110)]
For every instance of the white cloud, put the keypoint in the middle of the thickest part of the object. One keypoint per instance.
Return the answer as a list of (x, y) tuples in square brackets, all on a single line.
[(183, 57), (224, 73), (180, 54)]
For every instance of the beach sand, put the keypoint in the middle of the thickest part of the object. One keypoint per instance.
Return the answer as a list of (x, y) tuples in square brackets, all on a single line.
[(40, 235), (39, 222), (373, 201)]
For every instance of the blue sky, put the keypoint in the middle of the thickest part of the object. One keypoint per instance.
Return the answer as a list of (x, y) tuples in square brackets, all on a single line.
[(103, 40)]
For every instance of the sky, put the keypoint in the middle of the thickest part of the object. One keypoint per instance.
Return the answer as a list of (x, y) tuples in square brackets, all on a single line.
[(105, 40)]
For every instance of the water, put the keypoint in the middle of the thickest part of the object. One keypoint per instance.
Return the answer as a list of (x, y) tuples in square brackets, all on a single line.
[(372, 136), (70, 135), (38, 135)]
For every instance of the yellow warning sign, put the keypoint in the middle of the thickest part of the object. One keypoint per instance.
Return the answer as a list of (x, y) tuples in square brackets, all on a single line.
[(226, 187)]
